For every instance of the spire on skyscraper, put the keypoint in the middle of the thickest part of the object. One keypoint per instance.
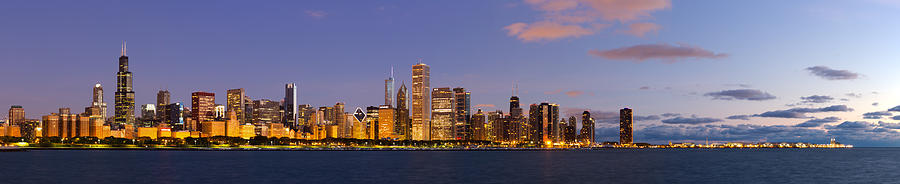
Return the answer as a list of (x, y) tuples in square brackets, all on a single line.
[(124, 50)]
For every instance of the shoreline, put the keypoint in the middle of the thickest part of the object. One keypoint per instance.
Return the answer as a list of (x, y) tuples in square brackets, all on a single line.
[(372, 149)]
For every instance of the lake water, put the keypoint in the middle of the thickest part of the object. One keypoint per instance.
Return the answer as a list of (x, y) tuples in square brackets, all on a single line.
[(856, 165)]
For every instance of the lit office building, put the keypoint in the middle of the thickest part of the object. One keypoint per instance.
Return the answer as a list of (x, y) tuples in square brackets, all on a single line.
[(237, 103), (232, 125), (97, 101), (442, 114), (403, 127), (290, 105), (203, 105), (587, 128), (421, 102), (626, 120), (124, 92), (478, 126), (16, 115), (162, 101), (372, 123), (265, 111), (569, 130), (386, 122), (544, 120), (462, 127)]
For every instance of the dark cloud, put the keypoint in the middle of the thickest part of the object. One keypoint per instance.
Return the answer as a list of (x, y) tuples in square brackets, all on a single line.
[(876, 115), (895, 109), (854, 95), (670, 114), (832, 74), (801, 112), (888, 125), (646, 118), (852, 125), (875, 104), (895, 118), (667, 52), (691, 120), (739, 117), (818, 122), (741, 94)]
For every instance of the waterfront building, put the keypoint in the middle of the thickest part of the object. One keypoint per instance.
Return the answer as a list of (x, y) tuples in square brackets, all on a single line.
[(203, 106), (233, 125), (290, 105), (372, 123), (479, 127), (16, 115), (494, 127), (386, 122), (404, 124), (544, 119), (587, 128), (212, 128), (248, 131), (265, 111), (124, 113), (569, 130), (97, 101), (421, 102), (626, 136), (340, 119), (237, 103), (442, 114), (462, 124), (150, 132)]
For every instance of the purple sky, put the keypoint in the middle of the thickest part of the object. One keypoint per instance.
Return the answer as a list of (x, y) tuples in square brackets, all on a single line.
[(685, 66)]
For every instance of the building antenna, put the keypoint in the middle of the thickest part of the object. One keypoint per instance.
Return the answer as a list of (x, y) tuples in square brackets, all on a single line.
[(420, 60), (392, 72), (124, 50)]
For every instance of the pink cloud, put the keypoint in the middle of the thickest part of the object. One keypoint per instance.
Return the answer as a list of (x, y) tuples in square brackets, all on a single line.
[(553, 92), (641, 28), (575, 18), (667, 52), (316, 14), (546, 30), (575, 93)]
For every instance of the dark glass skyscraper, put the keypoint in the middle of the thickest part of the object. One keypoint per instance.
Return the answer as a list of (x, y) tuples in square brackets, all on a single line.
[(587, 128), (290, 105), (403, 127), (625, 123), (124, 92), (462, 125)]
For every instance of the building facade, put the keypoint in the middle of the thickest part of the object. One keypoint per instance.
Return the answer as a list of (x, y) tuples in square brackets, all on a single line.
[(462, 108), (421, 102), (124, 113), (443, 116), (203, 106), (626, 135)]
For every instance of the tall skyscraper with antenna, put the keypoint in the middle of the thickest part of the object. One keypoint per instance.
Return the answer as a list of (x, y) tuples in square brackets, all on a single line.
[(124, 92), (389, 89)]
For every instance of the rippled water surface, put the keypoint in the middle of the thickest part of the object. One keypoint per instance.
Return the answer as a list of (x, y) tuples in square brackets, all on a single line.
[(857, 165)]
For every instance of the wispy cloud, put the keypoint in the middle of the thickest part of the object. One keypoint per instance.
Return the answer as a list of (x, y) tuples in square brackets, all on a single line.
[(575, 18), (832, 74), (641, 28), (666, 52), (818, 122), (318, 14), (694, 120), (741, 94)]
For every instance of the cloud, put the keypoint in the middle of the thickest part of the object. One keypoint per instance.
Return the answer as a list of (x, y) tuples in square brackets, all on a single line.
[(739, 117), (741, 94), (485, 106), (694, 120), (667, 52), (895, 109), (832, 74), (852, 125), (647, 118), (318, 14), (575, 18), (553, 92), (644, 87), (818, 122), (895, 118), (876, 115), (816, 99), (670, 114), (641, 28), (801, 112), (875, 104), (855, 95), (575, 93), (543, 31), (599, 116)]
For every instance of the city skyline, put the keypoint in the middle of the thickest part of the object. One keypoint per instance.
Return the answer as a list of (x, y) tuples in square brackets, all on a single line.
[(706, 86)]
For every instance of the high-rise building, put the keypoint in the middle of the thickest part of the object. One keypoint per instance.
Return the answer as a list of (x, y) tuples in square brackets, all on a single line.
[(372, 123), (290, 105), (544, 120), (478, 126), (386, 122), (174, 115), (587, 128), (389, 89), (232, 125), (124, 92), (97, 101), (237, 104), (162, 103), (148, 116), (442, 114), (265, 111), (569, 130), (421, 102), (462, 126), (403, 127), (203, 106), (344, 126), (626, 135), (16, 115)]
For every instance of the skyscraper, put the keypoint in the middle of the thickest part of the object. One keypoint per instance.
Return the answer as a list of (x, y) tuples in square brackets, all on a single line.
[(16, 115), (97, 100), (478, 126), (124, 92), (162, 103), (389, 89), (442, 114), (237, 104), (545, 122), (462, 125), (421, 101), (265, 110), (625, 123), (203, 106), (290, 105), (403, 127), (587, 128)]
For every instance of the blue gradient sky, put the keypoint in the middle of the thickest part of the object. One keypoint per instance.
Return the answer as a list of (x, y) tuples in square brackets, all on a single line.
[(340, 51)]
